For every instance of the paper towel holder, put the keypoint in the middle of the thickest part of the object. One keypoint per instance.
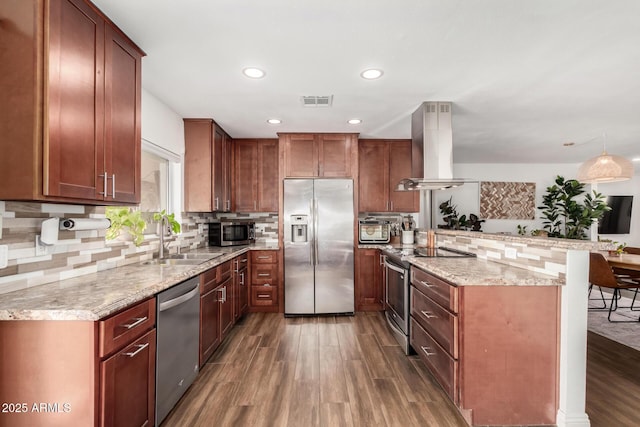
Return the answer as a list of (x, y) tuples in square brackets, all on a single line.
[(48, 235)]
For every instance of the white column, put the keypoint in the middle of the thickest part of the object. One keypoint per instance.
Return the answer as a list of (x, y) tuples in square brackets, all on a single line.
[(573, 342)]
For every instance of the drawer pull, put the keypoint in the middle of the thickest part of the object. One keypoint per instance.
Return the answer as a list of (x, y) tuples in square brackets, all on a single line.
[(426, 351), (264, 296), (138, 320), (267, 285), (140, 348), (243, 260), (264, 274), (426, 284), (428, 315), (264, 256)]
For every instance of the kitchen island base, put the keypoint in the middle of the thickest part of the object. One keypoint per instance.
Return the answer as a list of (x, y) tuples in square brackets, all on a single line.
[(496, 354)]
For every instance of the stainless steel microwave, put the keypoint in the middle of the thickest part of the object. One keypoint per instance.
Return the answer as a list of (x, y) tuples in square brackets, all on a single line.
[(231, 233)]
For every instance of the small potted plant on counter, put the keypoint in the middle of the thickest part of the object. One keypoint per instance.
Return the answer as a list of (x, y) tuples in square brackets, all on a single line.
[(128, 220)]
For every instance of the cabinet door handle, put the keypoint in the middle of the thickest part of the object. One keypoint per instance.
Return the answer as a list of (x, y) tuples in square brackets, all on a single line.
[(113, 186), (243, 260), (137, 321), (104, 185), (426, 351), (242, 278), (255, 205), (391, 204), (228, 204), (217, 199), (428, 315), (140, 348), (224, 294), (237, 265), (425, 284)]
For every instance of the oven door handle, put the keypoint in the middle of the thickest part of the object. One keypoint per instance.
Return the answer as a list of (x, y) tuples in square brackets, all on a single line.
[(394, 268)]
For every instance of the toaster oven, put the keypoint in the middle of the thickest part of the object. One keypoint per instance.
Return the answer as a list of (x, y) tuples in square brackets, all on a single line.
[(374, 231)]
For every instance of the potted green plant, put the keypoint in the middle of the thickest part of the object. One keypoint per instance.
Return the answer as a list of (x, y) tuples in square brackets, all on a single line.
[(566, 217), (455, 222), (127, 220)]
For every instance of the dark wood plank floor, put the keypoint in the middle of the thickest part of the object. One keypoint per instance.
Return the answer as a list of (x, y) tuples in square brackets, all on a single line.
[(348, 371), (316, 371), (613, 383)]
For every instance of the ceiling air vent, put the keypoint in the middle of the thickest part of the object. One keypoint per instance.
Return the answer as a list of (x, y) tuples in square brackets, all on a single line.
[(316, 101)]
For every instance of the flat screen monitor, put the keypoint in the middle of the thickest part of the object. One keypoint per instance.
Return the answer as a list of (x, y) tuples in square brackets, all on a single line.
[(618, 219)]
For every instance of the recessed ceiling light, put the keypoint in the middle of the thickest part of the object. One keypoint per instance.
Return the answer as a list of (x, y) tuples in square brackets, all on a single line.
[(636, 159), (253, 73), (354, 121), (274, 121), (371, 74)]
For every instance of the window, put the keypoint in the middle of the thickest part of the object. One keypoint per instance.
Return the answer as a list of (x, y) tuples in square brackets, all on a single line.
[(161, 180)]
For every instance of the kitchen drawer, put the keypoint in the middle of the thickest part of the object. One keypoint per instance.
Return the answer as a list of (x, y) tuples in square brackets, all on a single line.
[(440, 364), (240, 262), (441, 324), (264, 295), (224, 271), (264, 257), (435, 288), (262, 274), (208, 280), (123, 328)]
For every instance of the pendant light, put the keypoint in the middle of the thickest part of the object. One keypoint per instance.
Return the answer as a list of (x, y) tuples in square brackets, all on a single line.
[(605, 168)]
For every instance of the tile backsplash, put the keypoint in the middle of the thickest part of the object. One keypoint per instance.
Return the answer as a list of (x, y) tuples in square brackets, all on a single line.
[(82, 252)]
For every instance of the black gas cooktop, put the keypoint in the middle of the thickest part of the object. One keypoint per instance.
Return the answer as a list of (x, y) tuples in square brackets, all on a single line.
[(397, 254)]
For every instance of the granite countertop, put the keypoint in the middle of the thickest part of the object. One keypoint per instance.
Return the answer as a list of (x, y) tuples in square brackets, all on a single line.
[(474, 271), (95, 296), (480, 272)]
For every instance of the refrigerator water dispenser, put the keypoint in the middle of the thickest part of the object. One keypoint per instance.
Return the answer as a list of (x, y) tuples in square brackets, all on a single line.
[(299, 225)]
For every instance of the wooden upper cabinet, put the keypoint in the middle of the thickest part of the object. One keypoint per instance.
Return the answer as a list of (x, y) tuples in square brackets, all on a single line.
[(373, 193), (319, 155), (204, 166), (77, 124), (334, 154), (122, 116), (245, 181), (268, 175), (255, 180), (399, 167), (382, 164), (301, 155)]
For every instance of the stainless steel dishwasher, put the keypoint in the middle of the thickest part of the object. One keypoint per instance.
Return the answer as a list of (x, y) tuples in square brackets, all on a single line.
[(178, 333)]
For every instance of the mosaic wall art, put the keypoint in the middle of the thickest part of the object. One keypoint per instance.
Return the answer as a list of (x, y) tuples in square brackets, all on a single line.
[(507, 200)]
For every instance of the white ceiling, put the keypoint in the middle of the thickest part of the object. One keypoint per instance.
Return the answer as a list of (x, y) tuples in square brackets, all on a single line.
[(524, 76)]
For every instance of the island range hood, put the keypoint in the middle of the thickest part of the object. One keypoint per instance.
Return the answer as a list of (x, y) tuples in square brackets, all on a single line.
[(432, 149)]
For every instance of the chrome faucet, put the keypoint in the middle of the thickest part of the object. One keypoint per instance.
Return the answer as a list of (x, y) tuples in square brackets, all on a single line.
[(164, 224)]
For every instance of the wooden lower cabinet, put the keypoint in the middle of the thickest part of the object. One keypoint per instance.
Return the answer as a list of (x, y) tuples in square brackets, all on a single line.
[(369, 286), (128, 384), (493, 349), (80, 373), (216, 308), (240, 286), (264, 281)]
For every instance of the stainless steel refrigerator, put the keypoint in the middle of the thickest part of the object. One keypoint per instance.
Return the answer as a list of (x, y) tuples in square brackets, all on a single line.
[(318, 246)]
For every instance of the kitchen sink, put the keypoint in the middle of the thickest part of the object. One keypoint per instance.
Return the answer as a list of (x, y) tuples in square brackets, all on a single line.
[(182, 259)]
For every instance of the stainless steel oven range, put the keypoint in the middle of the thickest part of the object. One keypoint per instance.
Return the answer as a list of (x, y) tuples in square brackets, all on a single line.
[(397, 306)]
